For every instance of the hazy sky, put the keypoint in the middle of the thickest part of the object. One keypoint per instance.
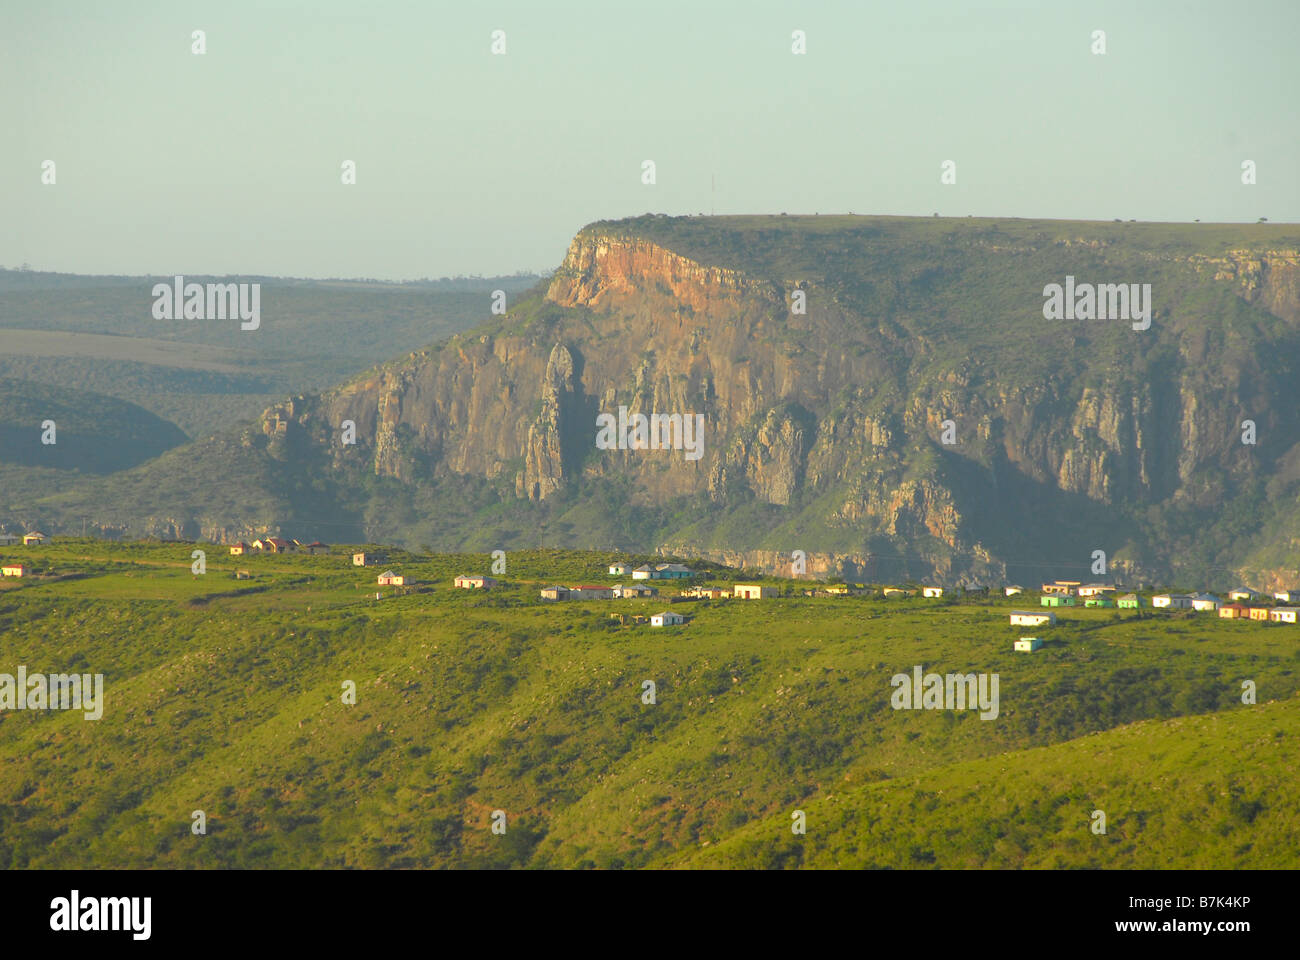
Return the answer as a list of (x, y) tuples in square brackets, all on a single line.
[(230, 162)]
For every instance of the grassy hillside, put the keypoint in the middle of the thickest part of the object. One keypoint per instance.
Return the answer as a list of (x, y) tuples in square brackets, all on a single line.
[(1201, 792), (224, 695)]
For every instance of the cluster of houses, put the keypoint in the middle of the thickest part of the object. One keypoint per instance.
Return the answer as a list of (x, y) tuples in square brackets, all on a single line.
[(737, 591), (19, 569), (633, 591), (664, 571), (391, 579), (838, 590), (1031, 618), (665, 619), (1066, 593), (706, 593), (642, 591), (33, 539), (278, 545)]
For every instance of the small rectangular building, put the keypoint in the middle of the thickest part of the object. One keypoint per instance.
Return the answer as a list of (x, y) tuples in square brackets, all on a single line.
[(707, 593), (555, 593), (1172, 601), (1130, 601), (15, 570), (1260, 613), (477, 583), (1057, 600), (618, 569), (752, 591), (934, 592), (1243, 593), (1011, 589), (1233, 611), (1283, 614), (1205, 602), (591, 593), (1028, 644), (1287, 596), (673, 571), (667, 619), (33, 539), (1095, 589), (1064, 588), (1030, 618), (390, 579), (635, 591), (1096, 601), (368, 559)]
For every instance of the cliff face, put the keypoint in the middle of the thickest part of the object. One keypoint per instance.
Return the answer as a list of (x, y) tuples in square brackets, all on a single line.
[(544, 467), (918, 418), (676, 338), (1270, 279), (600, 270), (836, 416)]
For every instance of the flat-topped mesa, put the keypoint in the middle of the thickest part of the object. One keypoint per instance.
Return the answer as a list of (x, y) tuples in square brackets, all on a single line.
[(600, 269)]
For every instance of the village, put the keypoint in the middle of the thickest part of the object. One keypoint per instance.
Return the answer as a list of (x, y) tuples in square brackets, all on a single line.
[(674, 584)]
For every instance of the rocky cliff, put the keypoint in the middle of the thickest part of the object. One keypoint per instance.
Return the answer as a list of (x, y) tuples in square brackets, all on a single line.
[(873, 390)]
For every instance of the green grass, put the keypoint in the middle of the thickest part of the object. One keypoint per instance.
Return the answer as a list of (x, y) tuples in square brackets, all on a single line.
[(224, 696)]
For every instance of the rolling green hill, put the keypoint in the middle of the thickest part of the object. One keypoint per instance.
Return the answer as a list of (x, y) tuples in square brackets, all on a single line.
[(225, 695), (1222, 786)]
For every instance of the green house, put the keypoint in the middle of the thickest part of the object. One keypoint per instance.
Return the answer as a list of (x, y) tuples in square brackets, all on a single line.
[(1056, 600), (1130, 601), (1099, 602)]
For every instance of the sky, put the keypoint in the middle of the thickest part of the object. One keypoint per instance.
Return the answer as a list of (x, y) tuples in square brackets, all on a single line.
[(470, 162)]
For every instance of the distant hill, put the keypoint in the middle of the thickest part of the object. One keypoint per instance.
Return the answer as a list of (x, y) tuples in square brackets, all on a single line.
[(92, 433), (825, 431), (99, 333)]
